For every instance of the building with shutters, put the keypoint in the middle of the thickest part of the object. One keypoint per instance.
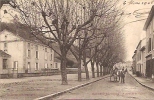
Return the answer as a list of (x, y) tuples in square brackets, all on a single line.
[(140, 58), (26, 54), (149, 28)]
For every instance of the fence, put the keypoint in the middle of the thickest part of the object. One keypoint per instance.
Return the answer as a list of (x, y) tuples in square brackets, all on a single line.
[(17, 73)]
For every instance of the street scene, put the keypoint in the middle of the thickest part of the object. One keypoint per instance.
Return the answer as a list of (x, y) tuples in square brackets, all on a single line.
[(76, 49), (105, 89)]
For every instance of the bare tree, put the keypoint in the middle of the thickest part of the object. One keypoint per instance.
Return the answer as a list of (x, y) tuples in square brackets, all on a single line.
[(60, 21)]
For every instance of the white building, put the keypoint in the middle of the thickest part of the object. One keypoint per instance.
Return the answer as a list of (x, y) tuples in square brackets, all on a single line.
[(143, 59), (149, 27), (27, 54)]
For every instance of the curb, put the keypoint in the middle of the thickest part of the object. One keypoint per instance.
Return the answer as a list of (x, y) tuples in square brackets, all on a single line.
[(142, 83), (50, 96)]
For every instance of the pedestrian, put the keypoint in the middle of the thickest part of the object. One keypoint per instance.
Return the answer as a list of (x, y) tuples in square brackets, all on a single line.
[(126, 70), (122, 76)]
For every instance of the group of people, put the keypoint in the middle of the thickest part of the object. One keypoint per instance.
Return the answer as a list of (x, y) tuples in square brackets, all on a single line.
[(118, 75)]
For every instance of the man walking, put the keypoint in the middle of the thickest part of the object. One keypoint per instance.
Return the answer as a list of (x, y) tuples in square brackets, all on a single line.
[(122, 76)]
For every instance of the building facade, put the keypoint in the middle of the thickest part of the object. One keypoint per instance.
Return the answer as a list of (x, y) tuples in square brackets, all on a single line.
[(134, 62), (143, 59), (26, 56), (138, 57), (149, 28)]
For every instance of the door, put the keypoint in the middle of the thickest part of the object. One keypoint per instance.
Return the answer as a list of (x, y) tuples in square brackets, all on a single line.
[(28, 67), (15, 69), (149, 68), (152, 66)]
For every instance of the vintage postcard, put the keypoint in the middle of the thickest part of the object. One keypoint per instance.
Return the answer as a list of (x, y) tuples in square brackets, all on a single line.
[(76, 49)]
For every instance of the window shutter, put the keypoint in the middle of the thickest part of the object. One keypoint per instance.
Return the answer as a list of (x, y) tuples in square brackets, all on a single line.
[(38, 55), (35, 66), (38, 66)]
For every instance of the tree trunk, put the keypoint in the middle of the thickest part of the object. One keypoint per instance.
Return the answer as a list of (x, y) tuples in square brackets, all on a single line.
[(79, 71), (85, 65), (87, 72), (97, 69), (63, 68), (108, 71), (93, 69), (101, 71), (104, 72)]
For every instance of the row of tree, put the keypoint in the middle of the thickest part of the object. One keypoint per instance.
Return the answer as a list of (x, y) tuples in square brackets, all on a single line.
[(87, 28)]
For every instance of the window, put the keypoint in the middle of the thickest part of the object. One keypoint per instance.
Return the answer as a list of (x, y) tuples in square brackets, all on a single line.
[(36, 66), (28, 66), (45, 49), (29, 52), (28, 46), (56, 66), (51, 65), (4, 63), (46, 54), (29, 55), (5, 36), (149, 46), (46, 65), (15, 65), (37, 54), (5, 45)]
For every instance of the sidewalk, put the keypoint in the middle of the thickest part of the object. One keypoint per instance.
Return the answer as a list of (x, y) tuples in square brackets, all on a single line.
[(143, 81), (29, 88)]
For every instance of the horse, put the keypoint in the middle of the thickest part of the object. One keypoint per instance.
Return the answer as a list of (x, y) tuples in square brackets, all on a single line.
[(118, 74), (113, 73)]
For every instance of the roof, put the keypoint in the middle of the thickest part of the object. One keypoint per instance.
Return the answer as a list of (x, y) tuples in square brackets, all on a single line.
[(24, 32), (133, 56), (150, 16), (3, 54), (70, 57), (19, 30), (57, 60), (139, 44)]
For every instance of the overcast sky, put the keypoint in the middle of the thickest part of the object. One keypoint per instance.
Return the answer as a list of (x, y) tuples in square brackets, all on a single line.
[(134, 31)]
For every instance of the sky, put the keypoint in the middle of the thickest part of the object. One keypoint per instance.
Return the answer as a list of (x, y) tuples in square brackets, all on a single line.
[(134, 31)]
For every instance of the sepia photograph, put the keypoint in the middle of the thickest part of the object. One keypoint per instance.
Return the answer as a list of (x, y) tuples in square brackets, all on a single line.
[(76, 49)]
